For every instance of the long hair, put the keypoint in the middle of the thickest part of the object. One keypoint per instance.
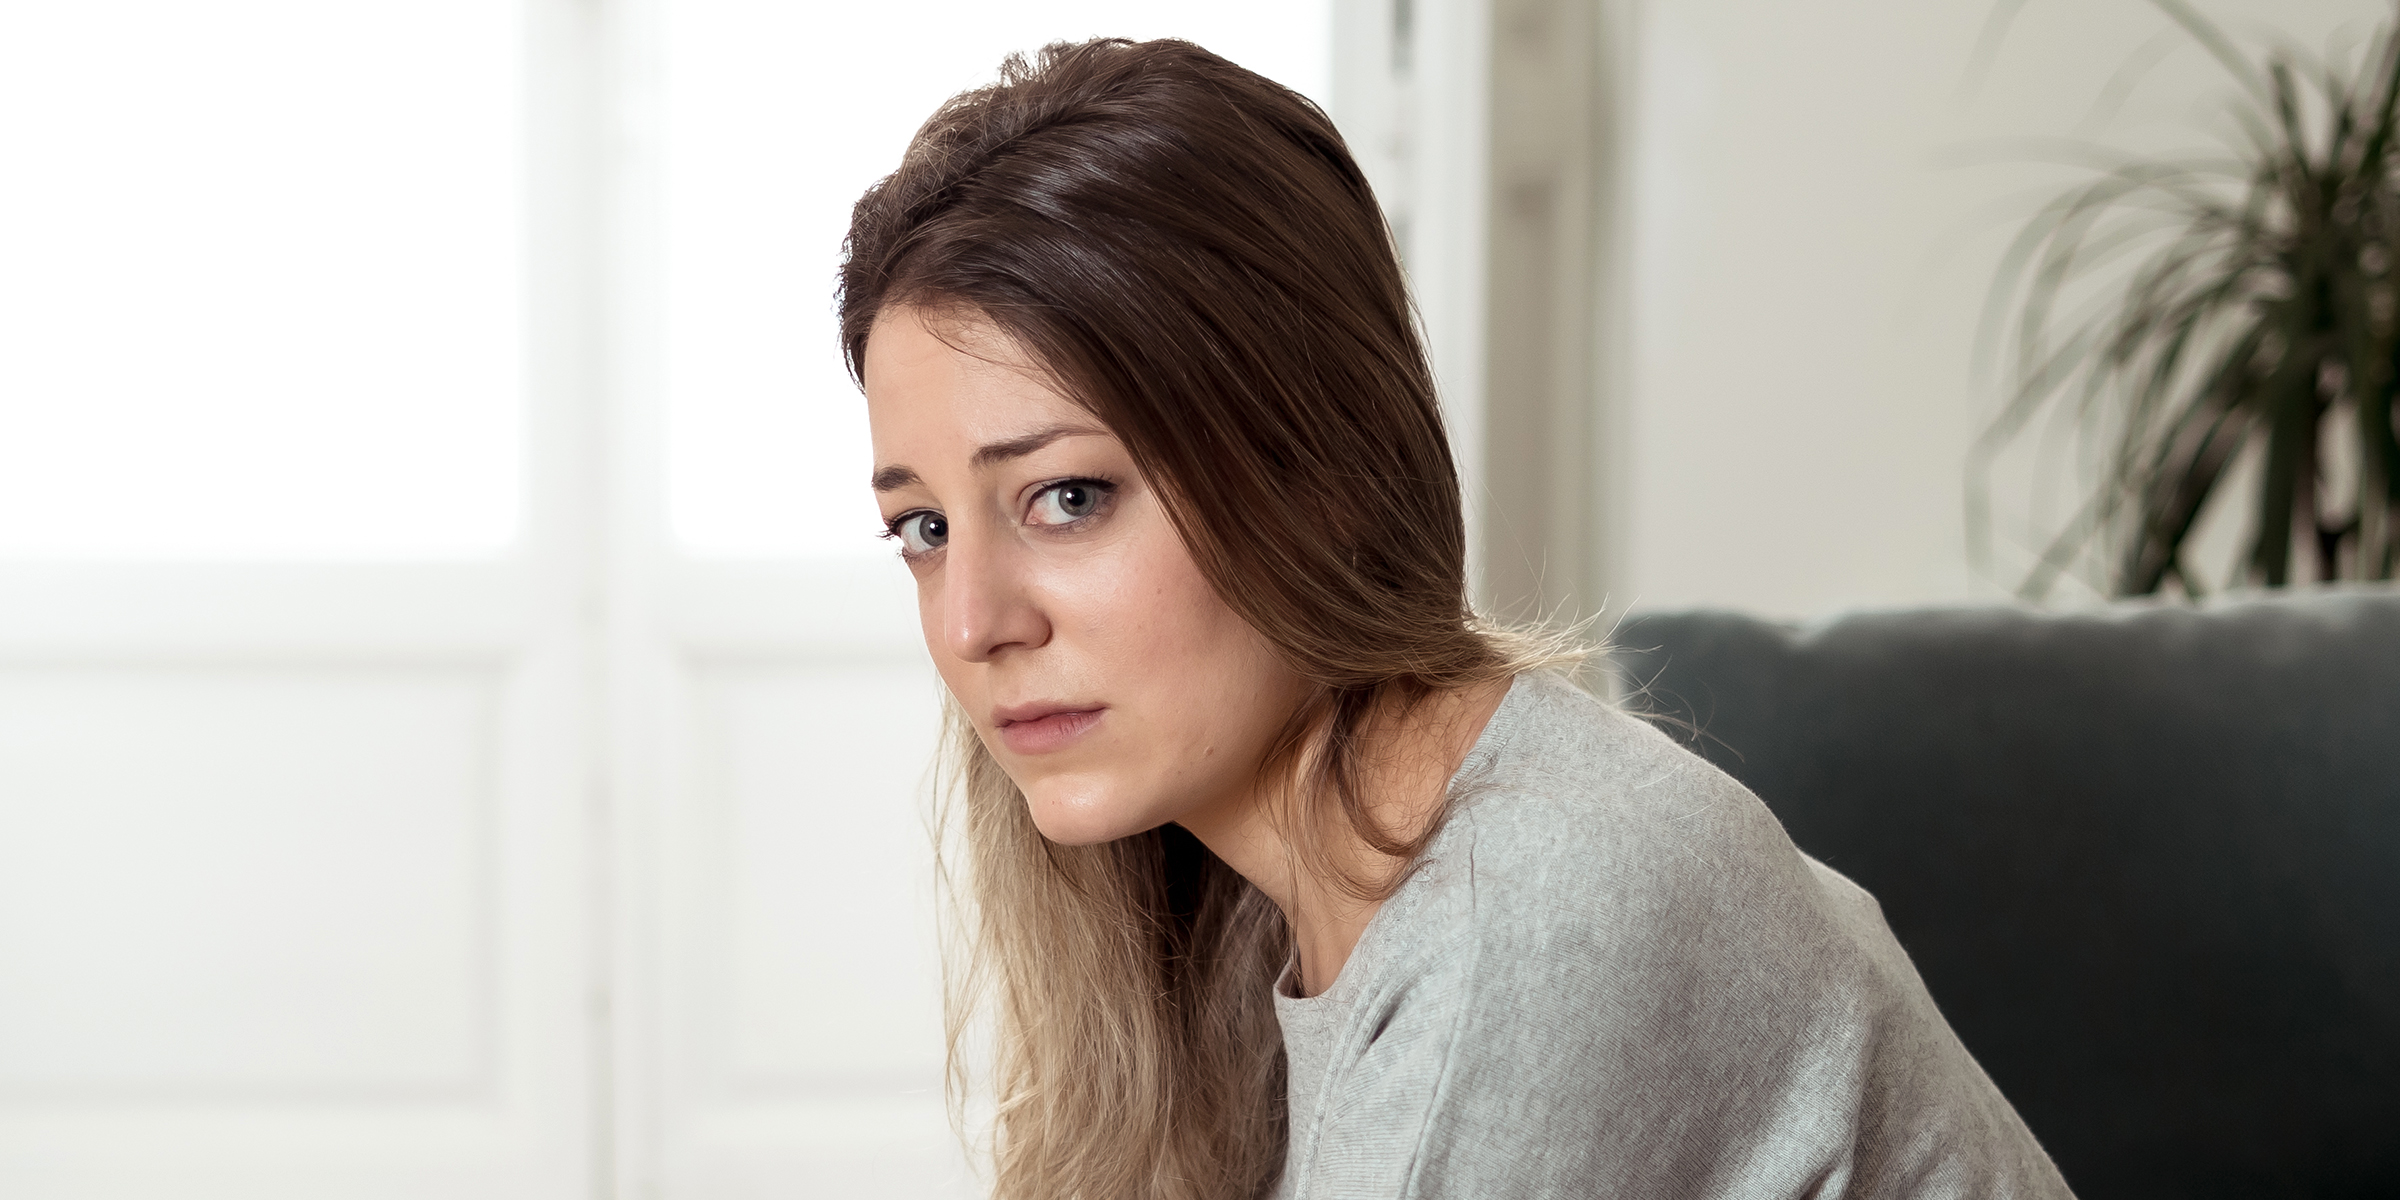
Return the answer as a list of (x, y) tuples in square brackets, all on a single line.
[(1193, 255)]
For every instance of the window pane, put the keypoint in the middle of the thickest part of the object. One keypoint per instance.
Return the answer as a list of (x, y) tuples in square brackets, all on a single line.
[(258, 278), (778, 116)]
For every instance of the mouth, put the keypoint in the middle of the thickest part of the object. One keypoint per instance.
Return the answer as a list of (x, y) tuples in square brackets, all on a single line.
[(1041, 728)]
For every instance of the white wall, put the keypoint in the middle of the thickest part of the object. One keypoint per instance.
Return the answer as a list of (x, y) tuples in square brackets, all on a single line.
[(1806, 274)]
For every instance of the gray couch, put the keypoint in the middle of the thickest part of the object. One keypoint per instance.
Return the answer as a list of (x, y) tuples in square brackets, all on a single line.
[(2147, 859)]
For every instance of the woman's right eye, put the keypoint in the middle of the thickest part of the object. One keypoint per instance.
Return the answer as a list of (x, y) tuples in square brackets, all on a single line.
[(922, 532)]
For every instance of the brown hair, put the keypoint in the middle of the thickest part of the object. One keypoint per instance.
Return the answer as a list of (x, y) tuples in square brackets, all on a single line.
[(1191, 252)]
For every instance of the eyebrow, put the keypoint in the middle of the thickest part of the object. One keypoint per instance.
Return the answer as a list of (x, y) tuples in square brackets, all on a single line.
[(893, 478)]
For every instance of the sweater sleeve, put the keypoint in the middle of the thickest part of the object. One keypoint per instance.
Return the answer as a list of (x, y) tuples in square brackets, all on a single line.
[(1678, 1005)]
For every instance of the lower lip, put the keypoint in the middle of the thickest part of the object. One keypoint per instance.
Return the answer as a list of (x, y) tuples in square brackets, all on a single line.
[(1053, 732)]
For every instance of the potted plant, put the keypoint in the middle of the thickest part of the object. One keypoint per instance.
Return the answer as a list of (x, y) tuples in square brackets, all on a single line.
[(2260, 313)]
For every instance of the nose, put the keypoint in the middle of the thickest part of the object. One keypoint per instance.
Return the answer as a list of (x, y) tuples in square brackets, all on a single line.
[(986, 605)]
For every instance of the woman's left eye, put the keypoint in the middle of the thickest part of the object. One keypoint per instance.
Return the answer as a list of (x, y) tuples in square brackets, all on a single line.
[(1067, 502)]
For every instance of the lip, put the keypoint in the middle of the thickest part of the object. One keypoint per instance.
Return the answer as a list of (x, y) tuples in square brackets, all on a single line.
[(1044, 726)]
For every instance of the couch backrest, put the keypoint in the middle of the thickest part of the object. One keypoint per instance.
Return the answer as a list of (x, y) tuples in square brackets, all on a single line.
[(2147, 859)]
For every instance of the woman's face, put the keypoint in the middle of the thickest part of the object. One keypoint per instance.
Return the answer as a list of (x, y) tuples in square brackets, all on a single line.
[(1057, 600)]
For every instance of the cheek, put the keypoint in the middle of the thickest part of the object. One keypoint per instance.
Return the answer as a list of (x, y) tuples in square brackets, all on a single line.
[(1212, 688), (1151, 613)]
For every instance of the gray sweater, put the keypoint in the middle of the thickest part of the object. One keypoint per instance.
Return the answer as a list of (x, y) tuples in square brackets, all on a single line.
[(1613, 975)]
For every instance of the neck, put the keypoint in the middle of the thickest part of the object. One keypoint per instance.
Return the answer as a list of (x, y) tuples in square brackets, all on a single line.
[(1406, 759)]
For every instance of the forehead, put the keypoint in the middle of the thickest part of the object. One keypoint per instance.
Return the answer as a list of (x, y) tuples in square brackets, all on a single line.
[(937, 381)]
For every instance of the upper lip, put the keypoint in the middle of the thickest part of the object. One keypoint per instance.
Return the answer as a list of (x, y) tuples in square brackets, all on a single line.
[(1036, 710)]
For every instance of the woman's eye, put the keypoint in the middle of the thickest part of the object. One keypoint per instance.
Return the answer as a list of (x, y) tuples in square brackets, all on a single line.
[(1061, 503), (922, 532)]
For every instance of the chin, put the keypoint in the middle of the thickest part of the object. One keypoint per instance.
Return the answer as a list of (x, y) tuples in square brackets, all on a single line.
[(1083, 812)]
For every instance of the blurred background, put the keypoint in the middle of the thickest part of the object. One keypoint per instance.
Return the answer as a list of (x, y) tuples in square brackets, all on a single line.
[(458, 734)]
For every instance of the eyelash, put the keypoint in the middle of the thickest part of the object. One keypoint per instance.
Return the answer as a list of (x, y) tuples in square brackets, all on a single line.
[(1106, 487), (891, 529)]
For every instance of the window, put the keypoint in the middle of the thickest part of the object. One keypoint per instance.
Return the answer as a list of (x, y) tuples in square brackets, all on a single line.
[(260, 287)]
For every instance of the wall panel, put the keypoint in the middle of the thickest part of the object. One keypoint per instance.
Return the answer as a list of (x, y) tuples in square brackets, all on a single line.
[(803, 986), (245, 882)]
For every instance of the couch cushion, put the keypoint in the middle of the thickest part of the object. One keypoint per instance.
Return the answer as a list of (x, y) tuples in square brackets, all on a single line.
[(2146, 859)]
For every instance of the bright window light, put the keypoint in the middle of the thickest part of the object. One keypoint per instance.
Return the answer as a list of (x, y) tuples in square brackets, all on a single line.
[(778, 116), (258, 278)]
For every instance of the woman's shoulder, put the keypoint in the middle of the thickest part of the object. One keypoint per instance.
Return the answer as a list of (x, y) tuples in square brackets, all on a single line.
[(1576, 783), (1583, 824)]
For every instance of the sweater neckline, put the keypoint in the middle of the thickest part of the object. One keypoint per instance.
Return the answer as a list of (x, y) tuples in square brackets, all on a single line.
[(1482, 758)]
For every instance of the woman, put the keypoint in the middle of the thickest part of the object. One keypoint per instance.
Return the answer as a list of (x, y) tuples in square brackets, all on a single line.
[(1287, 874)]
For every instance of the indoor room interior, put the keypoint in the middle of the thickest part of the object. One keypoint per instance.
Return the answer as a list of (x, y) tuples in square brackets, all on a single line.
[(461, 735)]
